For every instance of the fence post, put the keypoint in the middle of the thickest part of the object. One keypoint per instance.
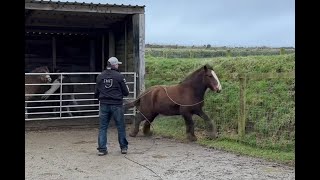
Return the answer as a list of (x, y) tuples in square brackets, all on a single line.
[(242, 114)]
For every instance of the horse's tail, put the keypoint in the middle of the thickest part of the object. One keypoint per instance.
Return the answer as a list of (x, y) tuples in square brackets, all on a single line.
[(132, 104)]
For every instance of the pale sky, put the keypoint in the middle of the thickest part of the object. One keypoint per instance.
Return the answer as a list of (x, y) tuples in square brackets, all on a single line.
[(217, 22)]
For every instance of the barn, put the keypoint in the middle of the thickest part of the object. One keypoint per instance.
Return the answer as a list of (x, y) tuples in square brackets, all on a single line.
[(77, 39)]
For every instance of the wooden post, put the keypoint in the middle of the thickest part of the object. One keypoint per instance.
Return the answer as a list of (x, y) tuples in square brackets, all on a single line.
[(54, 54), (242, 114), (112, 48), (125, 47), (102, 55), (92, 63), (138, 49), (142, 67), (92, 56)]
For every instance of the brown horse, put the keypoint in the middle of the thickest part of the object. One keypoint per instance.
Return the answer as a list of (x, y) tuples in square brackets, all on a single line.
[(185, 98), (36, 79)]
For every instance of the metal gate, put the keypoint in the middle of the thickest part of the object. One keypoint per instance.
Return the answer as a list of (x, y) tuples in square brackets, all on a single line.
[(74, 97)]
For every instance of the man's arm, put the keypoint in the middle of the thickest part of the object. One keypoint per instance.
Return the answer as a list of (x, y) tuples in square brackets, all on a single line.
[(124, 86), (96, 92)]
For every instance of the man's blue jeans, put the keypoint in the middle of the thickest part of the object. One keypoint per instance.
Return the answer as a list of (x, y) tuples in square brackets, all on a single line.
[(106, 111)]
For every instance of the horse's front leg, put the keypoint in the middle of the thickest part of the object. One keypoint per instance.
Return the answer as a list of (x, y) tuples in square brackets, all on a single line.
[(55, 85), (212, 128), (189, 127)]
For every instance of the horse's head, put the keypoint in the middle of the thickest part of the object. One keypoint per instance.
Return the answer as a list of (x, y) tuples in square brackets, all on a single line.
[(211, 79), (44, 77)]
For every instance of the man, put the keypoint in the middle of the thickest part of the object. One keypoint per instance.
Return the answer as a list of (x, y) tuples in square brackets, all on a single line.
[(110, 89)]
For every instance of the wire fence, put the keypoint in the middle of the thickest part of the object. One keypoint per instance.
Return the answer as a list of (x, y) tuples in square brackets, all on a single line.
[(255, 108)]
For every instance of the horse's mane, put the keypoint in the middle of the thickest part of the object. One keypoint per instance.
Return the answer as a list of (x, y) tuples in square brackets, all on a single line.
[(40, 69), (195, 73)]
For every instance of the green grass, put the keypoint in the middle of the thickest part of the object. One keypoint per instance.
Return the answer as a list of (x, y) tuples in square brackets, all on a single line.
[(243, 149), (174, 127)]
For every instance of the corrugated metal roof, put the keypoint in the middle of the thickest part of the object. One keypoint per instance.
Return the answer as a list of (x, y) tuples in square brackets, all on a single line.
[(83, 3)]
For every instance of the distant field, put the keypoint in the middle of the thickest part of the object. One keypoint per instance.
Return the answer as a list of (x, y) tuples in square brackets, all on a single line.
[(209, 52)]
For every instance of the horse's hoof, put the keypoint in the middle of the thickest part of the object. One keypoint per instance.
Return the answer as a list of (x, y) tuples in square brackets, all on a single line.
[(192, 138), (146, 131), (133, 134), (212, 135), (149, 133)]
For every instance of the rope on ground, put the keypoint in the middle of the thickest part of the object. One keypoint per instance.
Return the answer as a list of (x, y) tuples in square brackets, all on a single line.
[(144, 152), (153, 128)]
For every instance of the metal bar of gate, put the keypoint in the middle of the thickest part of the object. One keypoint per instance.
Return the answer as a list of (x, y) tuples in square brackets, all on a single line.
[(89, 93), (134, 90), (46, 107), (50, 84), (61, 94), (77, 73)]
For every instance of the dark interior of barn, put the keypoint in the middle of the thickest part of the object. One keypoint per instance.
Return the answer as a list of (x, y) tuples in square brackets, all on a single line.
[(74, 42)]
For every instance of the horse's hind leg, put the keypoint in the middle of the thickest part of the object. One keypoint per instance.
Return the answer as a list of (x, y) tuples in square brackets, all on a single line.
[(147, 123), (189, 127), (212, 128), (69, 113), (25, 110), (75, 108), (137, 120)]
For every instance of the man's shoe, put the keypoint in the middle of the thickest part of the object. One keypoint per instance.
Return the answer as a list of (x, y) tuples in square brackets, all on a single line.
[(124, 151), (102, 153)]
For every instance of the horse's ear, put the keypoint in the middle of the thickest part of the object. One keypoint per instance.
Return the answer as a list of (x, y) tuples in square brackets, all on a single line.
[(205, 68)]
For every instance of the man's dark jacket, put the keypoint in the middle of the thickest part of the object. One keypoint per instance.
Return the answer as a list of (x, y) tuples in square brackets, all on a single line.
[(111, 87)]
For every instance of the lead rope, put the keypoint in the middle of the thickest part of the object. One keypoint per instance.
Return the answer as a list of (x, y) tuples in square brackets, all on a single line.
[(125, 156), (165, 89)]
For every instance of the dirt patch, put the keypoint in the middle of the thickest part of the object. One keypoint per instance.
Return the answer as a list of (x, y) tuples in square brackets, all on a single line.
[(72, 154)]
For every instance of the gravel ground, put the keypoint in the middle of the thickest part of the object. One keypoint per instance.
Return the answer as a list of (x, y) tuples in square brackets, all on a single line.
[(71, 154)]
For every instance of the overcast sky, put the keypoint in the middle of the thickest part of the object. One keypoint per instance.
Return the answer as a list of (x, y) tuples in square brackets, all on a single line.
[(217, 22)]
